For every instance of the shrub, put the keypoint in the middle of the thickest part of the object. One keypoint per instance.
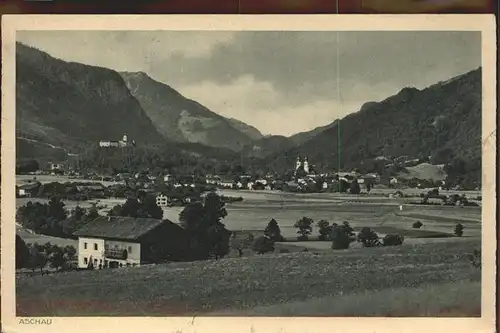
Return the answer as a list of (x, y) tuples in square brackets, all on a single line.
[(368, 237), (284, 251), (459, 230), (57, 259), (22, 253), (263, 244), (475, 258), (354, 187), (417, 225), (325, 230), (392, 240), (305, 227), (341, 236), (273, 231)]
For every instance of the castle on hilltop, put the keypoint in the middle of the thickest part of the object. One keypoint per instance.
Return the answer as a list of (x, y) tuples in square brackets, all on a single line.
[(117, 144)]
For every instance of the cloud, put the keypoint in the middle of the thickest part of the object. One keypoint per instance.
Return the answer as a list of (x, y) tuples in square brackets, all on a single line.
[(282, 82), (259, 104), (123, 50)]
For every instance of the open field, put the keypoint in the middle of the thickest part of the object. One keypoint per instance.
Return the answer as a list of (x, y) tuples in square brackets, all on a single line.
[(358, 281), (257, 208), (377, 281)]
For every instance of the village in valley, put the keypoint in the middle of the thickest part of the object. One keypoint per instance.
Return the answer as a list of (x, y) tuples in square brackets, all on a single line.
[(109, 240), (132, 199)]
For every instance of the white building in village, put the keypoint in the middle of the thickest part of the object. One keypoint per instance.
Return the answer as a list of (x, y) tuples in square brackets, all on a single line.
[(162, 200)]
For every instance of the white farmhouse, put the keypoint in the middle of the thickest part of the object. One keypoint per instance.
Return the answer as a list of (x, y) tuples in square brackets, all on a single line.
[(126, 241)]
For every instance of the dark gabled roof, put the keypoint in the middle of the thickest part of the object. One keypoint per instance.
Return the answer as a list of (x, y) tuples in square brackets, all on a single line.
[(29, 186), (119, 227)]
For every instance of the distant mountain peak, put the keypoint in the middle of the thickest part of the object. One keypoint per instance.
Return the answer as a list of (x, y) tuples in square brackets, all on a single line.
[(184, 120)]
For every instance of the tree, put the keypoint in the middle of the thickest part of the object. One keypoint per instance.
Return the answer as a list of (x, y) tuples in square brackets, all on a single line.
[(325, 229), (70, 252), (92, 213), (203, 223), (305, 227), (417, 225), (27, 166), (368, 237), (263, 244), (38, 259), (273, 231), (392, 240), (354, 187), (22, 253), (459, 230), (56, 209), (144, 208), (341, 236), (442, 156), (56, 258), (78, 212)]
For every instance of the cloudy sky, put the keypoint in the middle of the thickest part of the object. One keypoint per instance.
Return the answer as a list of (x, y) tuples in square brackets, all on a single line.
[(280, 82)]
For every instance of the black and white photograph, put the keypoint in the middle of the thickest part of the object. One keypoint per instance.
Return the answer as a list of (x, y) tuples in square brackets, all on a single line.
[(266, 172)]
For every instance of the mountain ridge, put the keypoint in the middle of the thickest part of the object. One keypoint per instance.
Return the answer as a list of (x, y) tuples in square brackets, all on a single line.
[(63, 103), (184, 120), (413, 122)]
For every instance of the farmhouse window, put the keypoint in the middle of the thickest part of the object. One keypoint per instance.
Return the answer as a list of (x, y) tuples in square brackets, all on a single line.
[(85, 261), (95, 246), (85, 246), (130, 249)]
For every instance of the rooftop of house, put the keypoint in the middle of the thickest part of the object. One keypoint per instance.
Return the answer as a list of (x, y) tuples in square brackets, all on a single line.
[(29, 186), (119, 227), (90, 187)]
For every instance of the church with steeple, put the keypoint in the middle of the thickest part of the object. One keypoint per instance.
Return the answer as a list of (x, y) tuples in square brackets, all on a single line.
[(304, 164)]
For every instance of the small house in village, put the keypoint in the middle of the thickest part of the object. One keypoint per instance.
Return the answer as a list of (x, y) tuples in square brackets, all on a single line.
[(162, 200), (28, 190), (110, 242), (227, 183), (95, 190), (56, 166)]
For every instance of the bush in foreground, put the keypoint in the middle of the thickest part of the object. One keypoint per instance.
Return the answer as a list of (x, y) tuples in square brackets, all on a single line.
[(325, 230), (273, 231), (263, 244), (459, 230), (392, 240), (341, 236), (417, 225), (475, 258), (368, 237), (305, 227)]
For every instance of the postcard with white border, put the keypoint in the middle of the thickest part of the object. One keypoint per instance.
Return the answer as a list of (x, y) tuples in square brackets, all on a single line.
[(233, 173)]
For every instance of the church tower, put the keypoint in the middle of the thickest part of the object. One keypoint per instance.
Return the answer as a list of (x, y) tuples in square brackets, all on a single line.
[(306, 165)]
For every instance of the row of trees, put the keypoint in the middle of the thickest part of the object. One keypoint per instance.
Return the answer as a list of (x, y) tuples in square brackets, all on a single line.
[(53, 219), (341, 235), (142, 206), (36, 256)]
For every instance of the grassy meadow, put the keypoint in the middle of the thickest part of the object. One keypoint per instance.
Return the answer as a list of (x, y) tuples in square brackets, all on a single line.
[(397, 281), (429, 275)]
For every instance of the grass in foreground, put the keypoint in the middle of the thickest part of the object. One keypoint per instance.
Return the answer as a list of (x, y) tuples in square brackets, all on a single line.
[(240, 284), (453, 299)]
